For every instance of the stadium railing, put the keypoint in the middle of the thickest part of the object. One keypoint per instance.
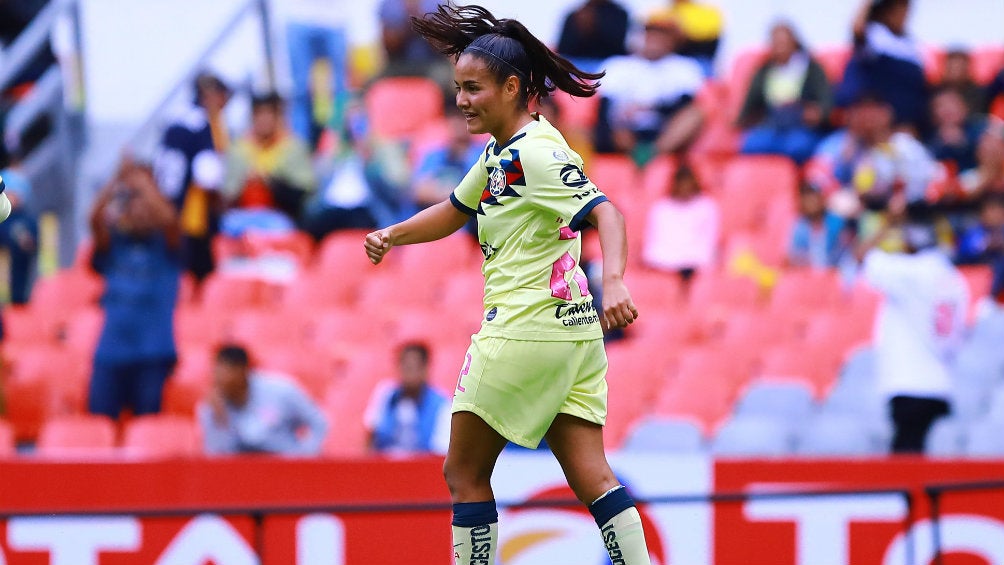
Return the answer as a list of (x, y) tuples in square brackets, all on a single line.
[(935, 493)]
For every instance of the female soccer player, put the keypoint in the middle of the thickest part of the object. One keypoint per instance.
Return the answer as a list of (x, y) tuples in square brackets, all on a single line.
[(537, 367)]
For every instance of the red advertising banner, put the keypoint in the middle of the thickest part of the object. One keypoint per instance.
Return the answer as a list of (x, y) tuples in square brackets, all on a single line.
[(790, 531), (857, 529), (206, 539)]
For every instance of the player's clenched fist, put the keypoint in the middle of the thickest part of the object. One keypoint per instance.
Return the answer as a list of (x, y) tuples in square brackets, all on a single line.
[(377, 245)]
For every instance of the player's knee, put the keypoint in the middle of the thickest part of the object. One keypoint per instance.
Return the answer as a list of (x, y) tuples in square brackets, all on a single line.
[(591, 486), (466, 482)]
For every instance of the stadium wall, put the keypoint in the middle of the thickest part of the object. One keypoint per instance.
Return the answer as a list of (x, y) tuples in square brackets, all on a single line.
[(198, 512)]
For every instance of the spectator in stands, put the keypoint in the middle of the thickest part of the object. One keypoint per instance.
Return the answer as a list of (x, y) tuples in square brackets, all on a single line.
[(956, 132), (876, 163), (19, 232), (593, 32), (958, 74), (189, 171), (248, 411), (988, 176), (269, 168), (788, 100), (367, 183), (136, 250), (984, 241), (919, 329), (681, 234), (647, 105), (701, 25), (818, 239), (441, 168), (888, 62), (410, 416), (405, 53)]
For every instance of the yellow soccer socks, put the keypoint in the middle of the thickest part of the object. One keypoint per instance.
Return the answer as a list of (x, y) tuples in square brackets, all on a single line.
[(620, 526), (475, 533)]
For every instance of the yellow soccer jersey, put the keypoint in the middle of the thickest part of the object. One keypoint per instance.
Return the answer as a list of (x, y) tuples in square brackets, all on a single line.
[(531, 198)]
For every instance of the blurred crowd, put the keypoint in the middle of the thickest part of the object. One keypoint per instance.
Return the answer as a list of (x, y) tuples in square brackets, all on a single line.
[(882, 139)]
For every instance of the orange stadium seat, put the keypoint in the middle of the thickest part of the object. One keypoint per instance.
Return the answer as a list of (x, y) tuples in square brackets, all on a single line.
[(315, 290), (255, 328), (656, 290), (28, 325), (817, 366), (715, 289), (83, 330), (66, 290), (8, 445), (160, 436), (224, 292), (615, 175), (705, 400), (744, 66), (311, 369), (400, 106), (833, 60), (340, 328), (755, 326), (577, 112), (657, 176), (181, 396), (201, 327), (842, 330), (760, 179), (341, 253), (987, 61), (75, 436), (806, 288)]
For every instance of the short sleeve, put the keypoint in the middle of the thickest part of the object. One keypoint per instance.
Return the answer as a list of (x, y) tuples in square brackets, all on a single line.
[(467, 196), (889, 273), (560, 184)]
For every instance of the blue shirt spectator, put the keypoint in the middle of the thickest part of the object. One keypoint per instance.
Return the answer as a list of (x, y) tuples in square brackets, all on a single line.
[(817, 239)]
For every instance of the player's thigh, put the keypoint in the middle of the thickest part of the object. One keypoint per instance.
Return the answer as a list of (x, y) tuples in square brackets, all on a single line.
[(577, 444), (474, 448)]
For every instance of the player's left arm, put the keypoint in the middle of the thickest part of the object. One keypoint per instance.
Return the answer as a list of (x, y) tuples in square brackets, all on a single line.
[(618, 307)]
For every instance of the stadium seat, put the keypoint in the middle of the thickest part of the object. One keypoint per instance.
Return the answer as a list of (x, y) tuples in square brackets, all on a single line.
[(316, 290), (744, 66), (833, 60), (311, 368), (181, 396), (76, 436), (710, 289), (577, 112), (831, 435), (815, 366), (64, 291), (753, 436), (987, 61), (225, 292), (23, 324), (665, 435), (841, 330), (160, 436), (8, 445), (812, 288), (342, 260), (339, 329), (436, 261), (616, 175), (398, 107), (706, 400), (347, 398), (979, 279), (386, 291), (655, 291), (257, 327), (83, 330), (464, 290), (789, 400), (657, 177)]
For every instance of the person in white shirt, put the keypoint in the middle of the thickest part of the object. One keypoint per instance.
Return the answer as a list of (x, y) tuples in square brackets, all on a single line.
[(918, 330), (253, 412), (648, 98), (681, 235)]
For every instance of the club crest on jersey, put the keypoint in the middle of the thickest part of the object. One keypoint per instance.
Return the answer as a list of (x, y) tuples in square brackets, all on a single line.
[(501, 180)]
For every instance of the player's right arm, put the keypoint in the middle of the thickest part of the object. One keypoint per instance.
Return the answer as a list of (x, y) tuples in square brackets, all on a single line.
[(435, 222)]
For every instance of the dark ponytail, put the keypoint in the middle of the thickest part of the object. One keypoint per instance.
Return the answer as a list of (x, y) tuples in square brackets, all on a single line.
[(507, 48)]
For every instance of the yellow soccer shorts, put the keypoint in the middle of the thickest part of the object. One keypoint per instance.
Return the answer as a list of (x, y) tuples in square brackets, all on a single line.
[(518, 387)]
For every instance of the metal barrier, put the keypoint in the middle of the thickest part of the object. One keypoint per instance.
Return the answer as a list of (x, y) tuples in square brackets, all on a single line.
[(934, 493), (258, 514)]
